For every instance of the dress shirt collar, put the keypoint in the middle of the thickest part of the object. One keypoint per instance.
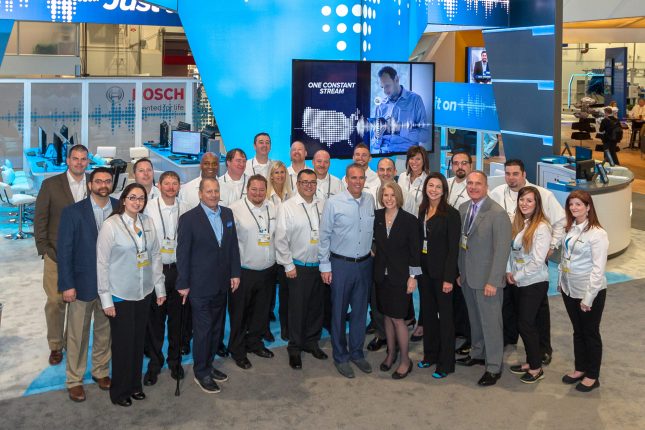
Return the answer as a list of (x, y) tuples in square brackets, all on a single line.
[(403, 94), (210, 211), (71, 179), (163, 205), (130, 222), (349, 196), (96, 205), (298, 199), (253, 207), (227, 178), (580, 227)]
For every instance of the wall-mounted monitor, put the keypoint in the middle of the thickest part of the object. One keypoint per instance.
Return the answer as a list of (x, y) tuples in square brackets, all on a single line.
[(477, 66), (186, 142), (336, 105)]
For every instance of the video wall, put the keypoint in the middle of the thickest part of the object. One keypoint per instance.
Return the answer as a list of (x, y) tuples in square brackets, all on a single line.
[(339, 104)]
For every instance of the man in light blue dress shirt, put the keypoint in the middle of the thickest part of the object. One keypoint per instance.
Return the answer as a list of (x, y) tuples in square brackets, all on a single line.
[(345, 262)]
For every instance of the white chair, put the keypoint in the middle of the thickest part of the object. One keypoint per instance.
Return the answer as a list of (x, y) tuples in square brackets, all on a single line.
[(19, 201), (106, 151), (139, 152)]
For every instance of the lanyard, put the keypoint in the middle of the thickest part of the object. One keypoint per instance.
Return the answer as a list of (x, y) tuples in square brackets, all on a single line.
[(450, 192), (508, 191), (328, 185), (253, 164), (416, 194), (573, 247), (243, 182), (163, 224), (311, 227), (145, 240), (256, 220)]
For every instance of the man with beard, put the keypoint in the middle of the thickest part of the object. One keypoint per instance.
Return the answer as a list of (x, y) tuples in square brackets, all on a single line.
[(78, 230), (362, 158), (297, 154)]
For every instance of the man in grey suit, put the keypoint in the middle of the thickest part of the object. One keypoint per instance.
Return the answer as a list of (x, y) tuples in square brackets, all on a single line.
[(484, 249)]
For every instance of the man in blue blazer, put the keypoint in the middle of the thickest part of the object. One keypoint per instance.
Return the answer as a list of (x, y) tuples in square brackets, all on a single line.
[(77, 233), (208, 264)]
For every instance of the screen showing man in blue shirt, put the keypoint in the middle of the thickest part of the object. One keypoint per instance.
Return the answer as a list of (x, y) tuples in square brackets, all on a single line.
[(401, 116)]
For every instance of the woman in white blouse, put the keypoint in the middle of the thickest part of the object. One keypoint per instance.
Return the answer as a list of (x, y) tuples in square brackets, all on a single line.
[(528, 272), (128, 269), (279, 187), (584, 286)]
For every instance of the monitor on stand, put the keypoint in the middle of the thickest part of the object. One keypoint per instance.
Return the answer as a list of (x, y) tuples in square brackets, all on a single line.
[(64, 131), (186, 143), (59, 147), (183, 126), (164, 132), (42, 141)]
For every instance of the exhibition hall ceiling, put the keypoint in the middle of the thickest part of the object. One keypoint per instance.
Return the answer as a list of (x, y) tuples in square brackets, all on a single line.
[(635, 22)]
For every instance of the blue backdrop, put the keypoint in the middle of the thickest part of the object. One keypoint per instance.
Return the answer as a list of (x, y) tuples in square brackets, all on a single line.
[(469, 106), (5, 31)]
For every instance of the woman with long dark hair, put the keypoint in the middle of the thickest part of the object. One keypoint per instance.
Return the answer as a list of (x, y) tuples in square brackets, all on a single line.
[(584, 287), (439, 225), (128, 269), (527, 271)]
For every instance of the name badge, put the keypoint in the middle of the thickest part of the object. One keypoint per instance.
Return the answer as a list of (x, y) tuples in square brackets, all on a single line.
[(517, 257), (264, 239), (315, 236), (464, 242), (168, 246), (142, 260), (424, 250), (564, 266)]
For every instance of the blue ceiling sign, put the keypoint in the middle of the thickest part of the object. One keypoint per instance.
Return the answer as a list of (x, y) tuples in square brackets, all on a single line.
[(86, 11), (481, 13), (465, 106)]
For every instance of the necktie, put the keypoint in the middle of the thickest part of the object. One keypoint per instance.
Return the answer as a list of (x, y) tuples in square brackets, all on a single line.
[(473, 212)]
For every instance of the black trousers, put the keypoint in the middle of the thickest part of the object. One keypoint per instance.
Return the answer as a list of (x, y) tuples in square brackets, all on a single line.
[(207, 319), (587, 343), (283, 295), (128, 330), (510, 318), (156, 327), (306, 301), (439, 327), (528, 302), (460, 313), (248, 309), (611, 147)]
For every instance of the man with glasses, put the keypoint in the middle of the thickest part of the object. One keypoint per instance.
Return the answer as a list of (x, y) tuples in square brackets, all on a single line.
[(296, 241), (78, 231), (209, 166), (55, 194)]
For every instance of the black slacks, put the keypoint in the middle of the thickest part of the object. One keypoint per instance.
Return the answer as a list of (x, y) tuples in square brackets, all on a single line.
[(248, 309), (128, 330), (283, 296), (156, 327), (438, 327), (460, 313), (510, 318), (306, 302), (587, 343), (528, 300), (207, 319)]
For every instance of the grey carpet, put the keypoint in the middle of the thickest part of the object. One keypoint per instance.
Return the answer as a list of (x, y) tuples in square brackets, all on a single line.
[(638, 211), (271, 395)]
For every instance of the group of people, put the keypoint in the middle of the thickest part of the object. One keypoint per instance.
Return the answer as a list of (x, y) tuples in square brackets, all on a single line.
[(182, 256)]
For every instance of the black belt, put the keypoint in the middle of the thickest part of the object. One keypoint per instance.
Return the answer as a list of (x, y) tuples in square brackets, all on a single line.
[(350, 259), (170, 266)]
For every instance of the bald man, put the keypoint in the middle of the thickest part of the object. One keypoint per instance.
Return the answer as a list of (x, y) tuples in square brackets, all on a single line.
[(297, 154), (327, 184), (209, 167)]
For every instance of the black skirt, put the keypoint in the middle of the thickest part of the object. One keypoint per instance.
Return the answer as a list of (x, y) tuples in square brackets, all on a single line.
[(392, 299)]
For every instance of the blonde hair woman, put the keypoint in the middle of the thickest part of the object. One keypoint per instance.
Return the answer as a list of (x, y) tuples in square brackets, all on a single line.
[(279, 188)]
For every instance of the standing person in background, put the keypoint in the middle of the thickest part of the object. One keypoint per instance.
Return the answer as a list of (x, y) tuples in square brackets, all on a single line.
[(611, 133), (396, 266), (165, 212), (411, 181), (346, 264), (55, 194), (129, 268), (233, 182), (260, 164), (584, 287), (327, 184), (279, 186), (144, 174), (527, 271), (297, 154), (362, 158), (209, 167), (77, 281), (440, 226)]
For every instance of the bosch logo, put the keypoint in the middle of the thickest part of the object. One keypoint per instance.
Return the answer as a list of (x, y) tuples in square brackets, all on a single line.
[(114, 94)]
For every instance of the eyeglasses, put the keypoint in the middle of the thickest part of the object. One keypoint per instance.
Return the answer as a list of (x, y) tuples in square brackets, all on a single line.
[(134, 198), (461, 163), (308, 183), (103, 181)]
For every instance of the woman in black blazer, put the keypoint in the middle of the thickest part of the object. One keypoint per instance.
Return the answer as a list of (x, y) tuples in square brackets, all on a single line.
[(439, 227), (396, 265)]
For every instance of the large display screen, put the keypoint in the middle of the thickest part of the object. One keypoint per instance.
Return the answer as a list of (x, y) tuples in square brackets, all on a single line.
[(339, 104), (186, 142), (478, 69)]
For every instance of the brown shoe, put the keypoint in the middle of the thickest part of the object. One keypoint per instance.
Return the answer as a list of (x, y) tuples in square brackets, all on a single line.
[(55, 357), (77, 393), (103, 383)]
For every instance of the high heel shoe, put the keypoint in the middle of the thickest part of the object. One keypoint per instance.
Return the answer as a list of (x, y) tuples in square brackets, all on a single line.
[(397, 375)]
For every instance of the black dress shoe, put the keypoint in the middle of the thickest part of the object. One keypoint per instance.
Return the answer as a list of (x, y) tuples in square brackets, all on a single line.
[(268, 336), (263, 352), (566, 379), (218, 376), (412, 323), (587, 388), (222, 351), (295, 362), (150, 378), (317, 353), (185, 349), (489, 379), (376, 344), (397, 375), (124, 402), (177, 372), (468, 361), (416, 338), (546, 359), (139, 395), (243, 363), (384, 367), (463, 349), (207, 385)]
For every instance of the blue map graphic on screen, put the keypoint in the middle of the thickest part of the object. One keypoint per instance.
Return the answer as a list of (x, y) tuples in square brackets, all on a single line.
[(91, 11), (486, 13)]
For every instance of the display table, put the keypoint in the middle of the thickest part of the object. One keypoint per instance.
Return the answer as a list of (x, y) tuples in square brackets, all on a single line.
[(613, 201), (187, 172), (41, 168)]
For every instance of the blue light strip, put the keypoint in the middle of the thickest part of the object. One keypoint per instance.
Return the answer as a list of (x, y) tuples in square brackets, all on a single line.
[(542, 30), (546, 140)]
